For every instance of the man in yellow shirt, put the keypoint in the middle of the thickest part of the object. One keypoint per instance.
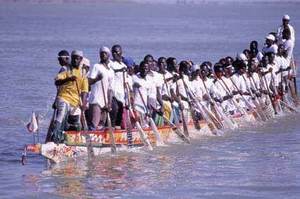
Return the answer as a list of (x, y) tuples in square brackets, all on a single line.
[(72, 97)]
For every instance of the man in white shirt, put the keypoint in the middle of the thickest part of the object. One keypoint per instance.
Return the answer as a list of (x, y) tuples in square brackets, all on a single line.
[(183, 88), (244, 88), (268, 74), (285, 24), (205, 73), (288, 44), (101, 80), (141, 90), (221, 91), (167, 79), (197, 87), (253, 76), (270, 45), (120, 78), (155, 96), (270, 82)]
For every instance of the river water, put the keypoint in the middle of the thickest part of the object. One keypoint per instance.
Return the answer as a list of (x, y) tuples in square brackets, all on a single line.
[(257, 161)]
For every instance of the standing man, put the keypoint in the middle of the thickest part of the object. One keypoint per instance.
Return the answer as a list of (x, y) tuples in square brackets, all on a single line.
[(288, 44), (101, 79), (222, 92), (165, 89), (141, 89), (285, 24), (64, 62), (72, 96), (120, 79)]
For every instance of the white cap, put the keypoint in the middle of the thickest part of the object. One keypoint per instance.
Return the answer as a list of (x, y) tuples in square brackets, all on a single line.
[(77, 52), (270, 37), (242, 57), (195, 67), (286, 17), (86, 62), (105, 49)]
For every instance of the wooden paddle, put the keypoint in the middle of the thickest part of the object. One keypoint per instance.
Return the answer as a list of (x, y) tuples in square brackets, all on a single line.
[(142, 133), (110, 128), (150, 120), (268, 92), (48, 137), (229, 123), (193, 111), (295, 91), (226, 88), (175, 127), (126, 111), (257, 99), (244, 99), (185, 128), (208, 117), (85, 126)]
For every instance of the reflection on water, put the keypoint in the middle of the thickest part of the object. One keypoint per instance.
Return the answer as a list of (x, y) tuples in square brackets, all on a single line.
[(240, 163), (104, 175)]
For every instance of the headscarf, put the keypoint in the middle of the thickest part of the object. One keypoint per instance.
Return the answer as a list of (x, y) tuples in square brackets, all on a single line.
[(105, 49)]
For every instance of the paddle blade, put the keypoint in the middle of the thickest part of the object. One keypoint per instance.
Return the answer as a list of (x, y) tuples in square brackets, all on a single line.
[(111, 135), (159, 140), (143, 136), (181, 135)]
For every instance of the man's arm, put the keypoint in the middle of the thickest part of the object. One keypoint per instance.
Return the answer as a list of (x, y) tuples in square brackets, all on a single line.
[(94, 80), (59, 82)]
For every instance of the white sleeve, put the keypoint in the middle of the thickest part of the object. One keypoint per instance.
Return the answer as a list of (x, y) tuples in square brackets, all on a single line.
[(275, 80), (111, 82), (94, 72), (257, 80), (159, 81), (215, 91), (242, 85), (292, 33), (285, 63), (289, 47)]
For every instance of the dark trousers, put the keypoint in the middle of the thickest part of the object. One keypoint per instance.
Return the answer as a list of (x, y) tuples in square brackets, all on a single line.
[(116, 112)]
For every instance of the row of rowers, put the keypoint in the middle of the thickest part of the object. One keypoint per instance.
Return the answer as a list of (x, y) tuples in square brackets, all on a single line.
[(158, 87)]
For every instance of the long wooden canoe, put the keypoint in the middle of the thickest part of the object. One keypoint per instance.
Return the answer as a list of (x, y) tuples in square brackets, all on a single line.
[(75, 141)]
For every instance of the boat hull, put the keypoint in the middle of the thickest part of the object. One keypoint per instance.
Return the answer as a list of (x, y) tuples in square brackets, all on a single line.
[(75, 144)]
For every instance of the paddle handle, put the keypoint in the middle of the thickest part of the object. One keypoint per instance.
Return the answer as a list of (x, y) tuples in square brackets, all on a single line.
[(110, 130), (185, 128)]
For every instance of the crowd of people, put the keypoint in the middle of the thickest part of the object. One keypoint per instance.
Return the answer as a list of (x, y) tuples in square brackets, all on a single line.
[(165, 89)]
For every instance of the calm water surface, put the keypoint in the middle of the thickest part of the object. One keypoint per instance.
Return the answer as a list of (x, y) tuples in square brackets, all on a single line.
[(258, 161)]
